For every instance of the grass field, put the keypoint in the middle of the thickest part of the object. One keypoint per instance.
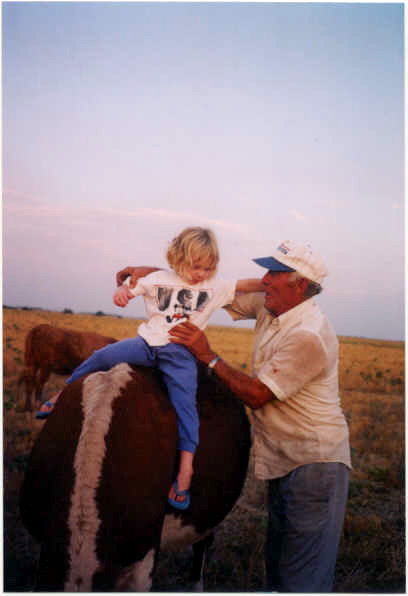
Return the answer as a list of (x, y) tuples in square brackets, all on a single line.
[(372, 383)]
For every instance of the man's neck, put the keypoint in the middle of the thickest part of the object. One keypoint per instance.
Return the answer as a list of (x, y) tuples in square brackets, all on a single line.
[(279, 314)]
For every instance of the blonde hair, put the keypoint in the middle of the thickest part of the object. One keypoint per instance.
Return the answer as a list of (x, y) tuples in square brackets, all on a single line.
[(196, 246)]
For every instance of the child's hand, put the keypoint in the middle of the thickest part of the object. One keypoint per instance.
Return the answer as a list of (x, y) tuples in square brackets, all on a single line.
[(122, 296)]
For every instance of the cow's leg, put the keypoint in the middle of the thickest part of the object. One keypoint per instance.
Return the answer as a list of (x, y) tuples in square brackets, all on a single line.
[(22, 395), (200, 557), (25, 383), (138, 577), (51, 570), (42, 377), (28, 406)]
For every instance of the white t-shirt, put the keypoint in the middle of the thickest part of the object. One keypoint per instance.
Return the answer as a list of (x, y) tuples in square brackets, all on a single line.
[(169, 301), (296, 356)]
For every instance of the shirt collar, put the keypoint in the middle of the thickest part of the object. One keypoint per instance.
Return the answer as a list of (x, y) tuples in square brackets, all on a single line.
[(293, 315)]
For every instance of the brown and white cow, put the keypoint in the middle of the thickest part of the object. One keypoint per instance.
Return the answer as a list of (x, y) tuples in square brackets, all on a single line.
[(95, 490), (50, 349)]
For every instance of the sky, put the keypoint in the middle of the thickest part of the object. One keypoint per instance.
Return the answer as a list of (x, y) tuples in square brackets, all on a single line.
[(125, 122)]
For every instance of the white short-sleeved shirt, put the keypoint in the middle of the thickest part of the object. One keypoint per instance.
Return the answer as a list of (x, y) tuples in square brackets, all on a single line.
[(296, 356), (169, 301)]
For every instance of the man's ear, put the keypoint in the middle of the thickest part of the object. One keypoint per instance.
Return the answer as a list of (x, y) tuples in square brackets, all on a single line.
[(302, 284)]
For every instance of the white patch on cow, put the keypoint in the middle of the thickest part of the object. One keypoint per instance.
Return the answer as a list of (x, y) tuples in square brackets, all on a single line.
[(175, 534), (99, 391), (199, 585), (137, 577)]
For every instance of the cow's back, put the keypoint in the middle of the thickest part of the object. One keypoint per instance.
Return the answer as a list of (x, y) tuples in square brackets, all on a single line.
[(45, 347), (89, 342), (95, 491), (61, 350), (53, 349)]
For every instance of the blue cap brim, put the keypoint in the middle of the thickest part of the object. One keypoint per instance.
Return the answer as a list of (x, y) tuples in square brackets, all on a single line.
[(272, 264)]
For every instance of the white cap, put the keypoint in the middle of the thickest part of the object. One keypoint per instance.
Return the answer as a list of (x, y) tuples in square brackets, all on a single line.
[(290, 256)]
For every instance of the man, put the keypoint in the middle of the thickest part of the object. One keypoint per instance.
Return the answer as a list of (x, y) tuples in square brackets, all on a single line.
[(300, 435)]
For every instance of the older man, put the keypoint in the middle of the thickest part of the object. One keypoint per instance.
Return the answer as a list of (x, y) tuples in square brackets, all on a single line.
[(300, 435)]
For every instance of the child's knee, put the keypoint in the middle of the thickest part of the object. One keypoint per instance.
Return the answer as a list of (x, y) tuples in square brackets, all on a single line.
[(102, 358), (188, 444)]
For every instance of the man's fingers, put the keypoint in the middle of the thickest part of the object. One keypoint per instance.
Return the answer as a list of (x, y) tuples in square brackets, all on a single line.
[(182, 334), (189, 325), (186, 326)]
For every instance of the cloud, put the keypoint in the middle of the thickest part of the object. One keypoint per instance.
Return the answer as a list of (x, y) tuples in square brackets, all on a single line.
[(19, 204), (19, 198), (86, 237), (297, 215), (180, 216)]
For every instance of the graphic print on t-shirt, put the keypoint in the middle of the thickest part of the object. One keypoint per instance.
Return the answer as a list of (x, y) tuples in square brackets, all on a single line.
[(179, 304)]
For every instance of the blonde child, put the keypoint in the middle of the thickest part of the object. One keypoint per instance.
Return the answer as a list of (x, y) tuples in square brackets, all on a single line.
[(189, 291)]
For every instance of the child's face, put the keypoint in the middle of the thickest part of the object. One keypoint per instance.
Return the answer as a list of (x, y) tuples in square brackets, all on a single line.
[(197, 272)]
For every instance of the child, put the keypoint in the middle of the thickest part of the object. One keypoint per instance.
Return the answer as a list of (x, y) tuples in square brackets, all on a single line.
[(188, 292)]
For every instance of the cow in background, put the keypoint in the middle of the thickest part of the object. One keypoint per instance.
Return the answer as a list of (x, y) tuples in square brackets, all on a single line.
[(96, 485), (51, 349)]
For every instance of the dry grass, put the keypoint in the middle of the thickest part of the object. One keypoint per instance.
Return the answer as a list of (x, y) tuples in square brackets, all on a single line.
[(372, 381), (371, 365)]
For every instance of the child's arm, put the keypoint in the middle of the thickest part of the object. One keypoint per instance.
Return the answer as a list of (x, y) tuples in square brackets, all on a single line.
[(249, 285)]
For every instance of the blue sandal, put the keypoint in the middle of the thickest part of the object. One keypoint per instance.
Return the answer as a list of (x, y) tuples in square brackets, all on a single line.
[(40, 415), (180, 493)]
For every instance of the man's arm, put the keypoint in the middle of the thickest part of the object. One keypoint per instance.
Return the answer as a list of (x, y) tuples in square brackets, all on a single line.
[(123, 295), (134, 273), (249, 285), (252, 392)]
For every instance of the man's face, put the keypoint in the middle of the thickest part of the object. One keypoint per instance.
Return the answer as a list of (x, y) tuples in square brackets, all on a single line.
[(282, 292)]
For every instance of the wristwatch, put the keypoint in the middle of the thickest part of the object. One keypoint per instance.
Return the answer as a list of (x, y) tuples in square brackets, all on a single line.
[(213, 362)]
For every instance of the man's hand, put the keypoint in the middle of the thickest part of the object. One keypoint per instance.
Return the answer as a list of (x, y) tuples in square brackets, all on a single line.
[(122, 296), (134, 273), (249, 390), (194, 339)]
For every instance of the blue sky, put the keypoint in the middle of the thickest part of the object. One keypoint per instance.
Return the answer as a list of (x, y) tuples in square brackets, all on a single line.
[(124, 122)]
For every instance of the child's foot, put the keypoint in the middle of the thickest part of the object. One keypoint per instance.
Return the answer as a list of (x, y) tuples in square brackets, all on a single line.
[(178, 498), (45, 410), (47, 407)]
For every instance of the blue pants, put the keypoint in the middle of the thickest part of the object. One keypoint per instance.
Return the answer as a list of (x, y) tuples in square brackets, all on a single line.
[(179, 368), (306, 515)]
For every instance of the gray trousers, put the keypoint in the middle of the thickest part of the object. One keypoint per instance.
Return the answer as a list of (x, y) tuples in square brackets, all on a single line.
[(306, 515)]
